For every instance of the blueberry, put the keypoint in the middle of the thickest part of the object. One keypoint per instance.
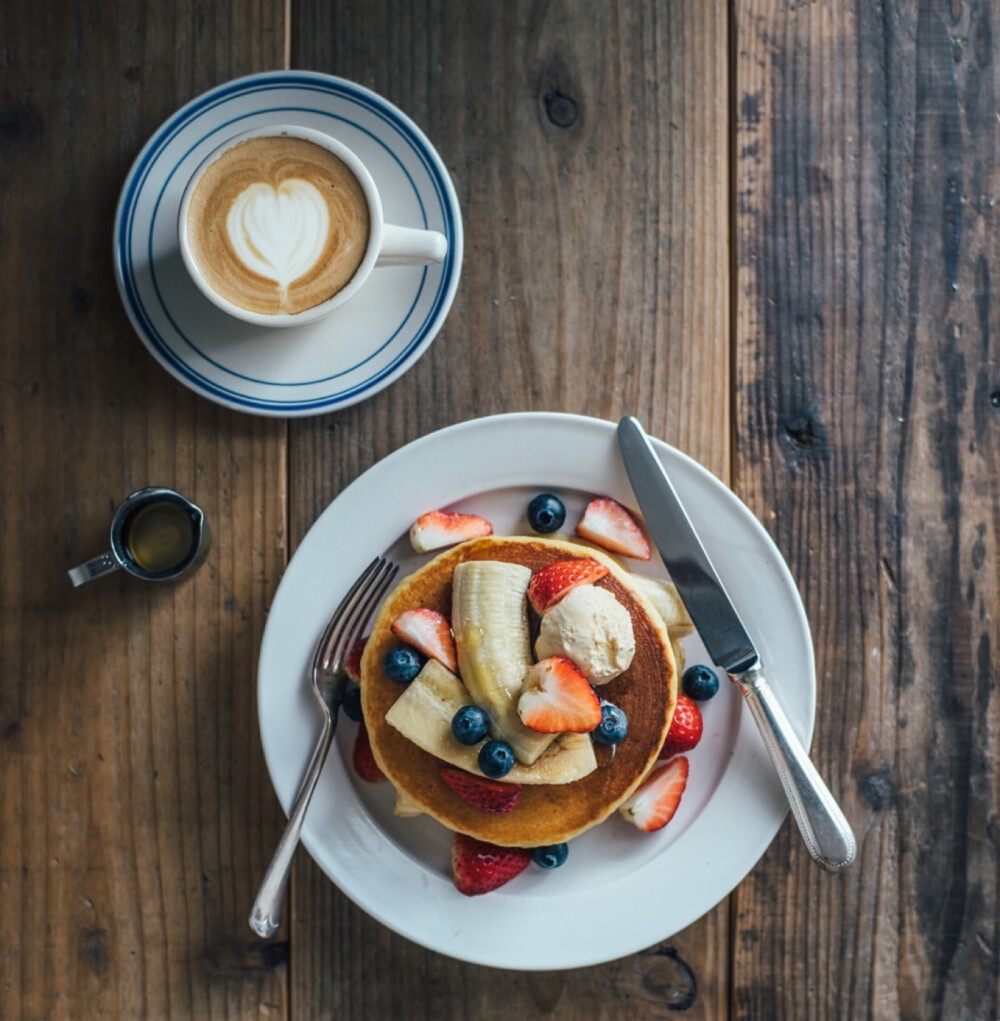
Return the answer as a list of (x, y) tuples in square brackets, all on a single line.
[(496, 759), (551, 856), (613, 726), (351, 703), (546, 513), (700, 682), (470, 724), (403, 663)]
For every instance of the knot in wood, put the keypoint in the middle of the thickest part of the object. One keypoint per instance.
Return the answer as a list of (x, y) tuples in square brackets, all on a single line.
[(560, 109), (803, 432)]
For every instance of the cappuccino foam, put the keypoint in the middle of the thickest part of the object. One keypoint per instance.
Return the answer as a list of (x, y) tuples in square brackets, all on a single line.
[(278, 224)]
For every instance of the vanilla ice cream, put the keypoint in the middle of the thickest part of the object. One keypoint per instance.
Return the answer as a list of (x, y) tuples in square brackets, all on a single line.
[(591, 628)]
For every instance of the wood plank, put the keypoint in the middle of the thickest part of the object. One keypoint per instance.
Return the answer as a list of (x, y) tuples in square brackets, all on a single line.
[(866, 382), (588, 145), (135, 813)]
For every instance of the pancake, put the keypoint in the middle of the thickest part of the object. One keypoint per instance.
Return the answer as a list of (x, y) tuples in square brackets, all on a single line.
[(547, 813)]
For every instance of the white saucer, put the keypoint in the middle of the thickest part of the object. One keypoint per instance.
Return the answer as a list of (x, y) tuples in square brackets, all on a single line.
[(349, 355), (620, 890)]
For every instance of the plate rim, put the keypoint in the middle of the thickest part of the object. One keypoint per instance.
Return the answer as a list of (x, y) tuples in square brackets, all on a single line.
[(330, 85), (577, 956)]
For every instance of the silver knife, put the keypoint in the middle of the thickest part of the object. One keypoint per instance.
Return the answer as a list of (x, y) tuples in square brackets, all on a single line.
[(826, 832)]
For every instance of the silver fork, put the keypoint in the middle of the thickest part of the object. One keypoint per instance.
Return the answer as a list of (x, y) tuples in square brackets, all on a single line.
[(329, 682)]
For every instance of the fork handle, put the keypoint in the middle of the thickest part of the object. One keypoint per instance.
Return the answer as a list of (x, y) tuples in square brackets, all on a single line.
[(265, 915)]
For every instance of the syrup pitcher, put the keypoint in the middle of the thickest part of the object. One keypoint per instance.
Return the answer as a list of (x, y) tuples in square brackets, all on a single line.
[(156, 535)]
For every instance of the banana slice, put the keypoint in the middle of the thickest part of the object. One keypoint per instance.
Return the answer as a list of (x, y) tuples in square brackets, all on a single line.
[(489, 616), (667, 603), (405, 806), (423, 714)]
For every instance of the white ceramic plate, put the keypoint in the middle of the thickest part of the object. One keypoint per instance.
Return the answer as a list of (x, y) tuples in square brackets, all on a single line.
[(343, 358), (620, 890)]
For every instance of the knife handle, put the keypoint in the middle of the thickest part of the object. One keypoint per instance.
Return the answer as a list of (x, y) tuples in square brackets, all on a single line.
[(826, 832)]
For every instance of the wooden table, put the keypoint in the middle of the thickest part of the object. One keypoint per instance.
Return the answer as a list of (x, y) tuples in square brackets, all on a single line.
[(769, 229)]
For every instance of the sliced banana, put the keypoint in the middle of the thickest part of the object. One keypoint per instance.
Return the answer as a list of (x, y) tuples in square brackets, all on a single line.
[(665, 600), (489, 616), (405, 806), (424, 711)]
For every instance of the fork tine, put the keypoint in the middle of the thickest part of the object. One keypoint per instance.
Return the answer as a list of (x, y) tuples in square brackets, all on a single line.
[(335, 619), (352, 614), (366, 603)]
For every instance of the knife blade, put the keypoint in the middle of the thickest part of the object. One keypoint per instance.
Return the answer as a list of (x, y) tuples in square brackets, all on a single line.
[(690, 567), (827, 835)]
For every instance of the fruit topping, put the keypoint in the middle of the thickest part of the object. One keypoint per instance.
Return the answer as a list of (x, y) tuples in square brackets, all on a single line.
[(700, 682), (353, 665), (470, 725), (685, 728), (429, 632), (445, 528), (479, 867), (403, 663), (486, 795), (551, 583), (655, 801), (351, 703), (489, 610), (496, 759), (613, 727), (364, 761), (546, 513), (611, 526), (551, 856), (557, 699)]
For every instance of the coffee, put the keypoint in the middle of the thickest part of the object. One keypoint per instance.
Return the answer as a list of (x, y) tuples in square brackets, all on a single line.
[(278, 224)]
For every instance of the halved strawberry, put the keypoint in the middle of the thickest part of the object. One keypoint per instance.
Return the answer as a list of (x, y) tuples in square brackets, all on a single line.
[(550, 584), (479, 867), (486, 795), (444, 528), (353, 665), (557, 699), (429, 632), (653, 804), (685, 728), (610, 525), (364, 761)]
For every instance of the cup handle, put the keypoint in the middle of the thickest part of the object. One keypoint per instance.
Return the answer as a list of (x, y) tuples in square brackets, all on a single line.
[(94, 568), (407, 246)]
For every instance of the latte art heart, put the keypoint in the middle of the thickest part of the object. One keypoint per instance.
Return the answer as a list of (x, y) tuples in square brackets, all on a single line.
[(278, 224), (280, 232)]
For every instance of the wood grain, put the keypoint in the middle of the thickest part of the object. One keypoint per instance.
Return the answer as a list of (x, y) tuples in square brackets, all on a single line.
[(135, 813), (867, 181), (588, 145)]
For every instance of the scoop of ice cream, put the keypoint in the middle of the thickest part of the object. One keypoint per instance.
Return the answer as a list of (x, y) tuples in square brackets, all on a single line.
[(591, 628)]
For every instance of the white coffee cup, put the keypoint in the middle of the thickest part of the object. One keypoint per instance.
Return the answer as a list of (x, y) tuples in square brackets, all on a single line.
[(388, 244)]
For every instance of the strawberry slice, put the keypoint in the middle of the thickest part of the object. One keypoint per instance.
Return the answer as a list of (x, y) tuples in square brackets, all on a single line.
[(557, 699), (364, 761), (610, 525), (353, 665), (479, 867), (445, 528), (551, 583), (429, 632), (486, 795), (653, 804), (685, 728)]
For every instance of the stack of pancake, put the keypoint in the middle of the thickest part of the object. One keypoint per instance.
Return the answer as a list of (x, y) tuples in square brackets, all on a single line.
[(546, 813)]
